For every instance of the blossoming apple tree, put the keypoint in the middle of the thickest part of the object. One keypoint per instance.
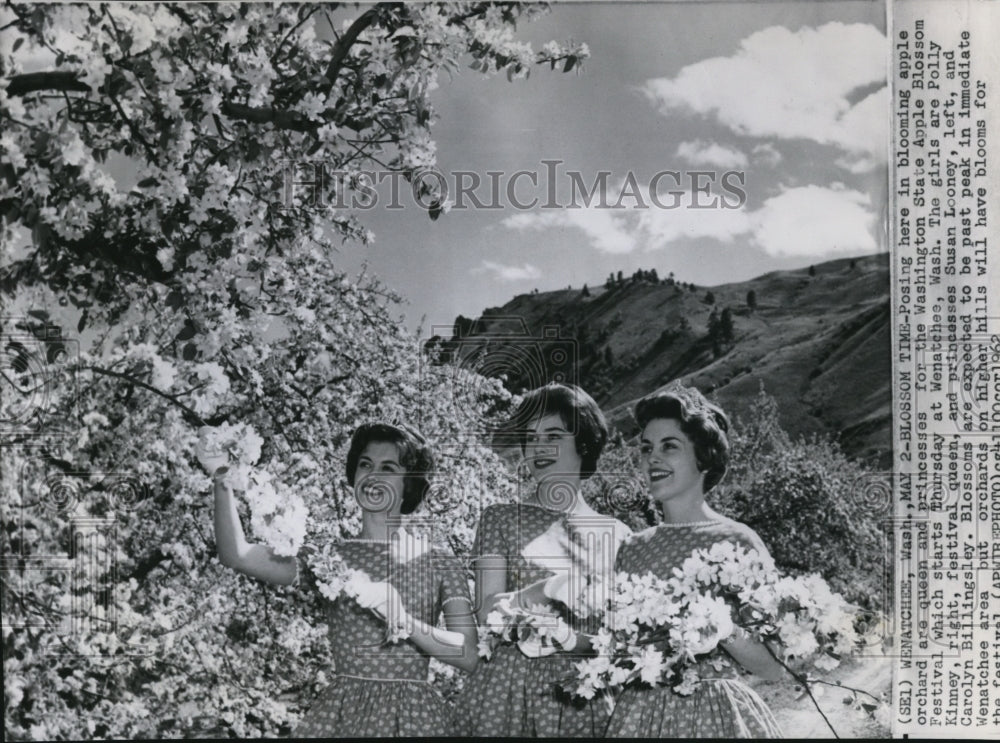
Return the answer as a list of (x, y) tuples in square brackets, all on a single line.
[(158, 278)]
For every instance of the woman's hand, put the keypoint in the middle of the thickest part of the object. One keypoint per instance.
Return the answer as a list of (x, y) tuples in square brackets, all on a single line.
[(753, 655), (210, 458), (527, 597), (383, 598), (557, 588)]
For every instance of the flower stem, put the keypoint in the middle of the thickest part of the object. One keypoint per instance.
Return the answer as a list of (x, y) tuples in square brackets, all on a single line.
[(838, 685), (802, 679)]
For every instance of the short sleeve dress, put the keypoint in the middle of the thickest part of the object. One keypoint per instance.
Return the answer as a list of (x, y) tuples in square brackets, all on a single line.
[(512, 695), (723, 706), (381, 689)]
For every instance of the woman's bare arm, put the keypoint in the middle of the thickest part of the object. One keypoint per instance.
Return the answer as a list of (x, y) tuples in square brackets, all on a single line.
[(753, 656), (256, 560)]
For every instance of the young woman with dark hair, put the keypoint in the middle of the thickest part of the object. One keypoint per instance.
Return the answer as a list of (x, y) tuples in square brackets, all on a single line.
[(684, 452), (520, 554), (380, 689)]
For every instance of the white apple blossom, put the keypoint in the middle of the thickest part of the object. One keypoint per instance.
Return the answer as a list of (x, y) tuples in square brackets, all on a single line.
[(182, 312), (685, 618)]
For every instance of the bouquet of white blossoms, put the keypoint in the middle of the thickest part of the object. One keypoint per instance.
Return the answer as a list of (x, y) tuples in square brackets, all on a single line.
[(535, 628), (335, 578), (581, 554), (666, 632)]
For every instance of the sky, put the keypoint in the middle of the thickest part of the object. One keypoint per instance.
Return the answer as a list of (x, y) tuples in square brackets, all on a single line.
[(733, 138), (788, 97)]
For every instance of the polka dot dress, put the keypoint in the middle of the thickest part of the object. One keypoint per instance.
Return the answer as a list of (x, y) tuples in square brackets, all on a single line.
[(723, 707), (512, 695), (381, 689)]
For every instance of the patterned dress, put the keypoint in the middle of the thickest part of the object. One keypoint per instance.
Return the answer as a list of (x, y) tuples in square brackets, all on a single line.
[(512, 695), (723, 706), (381, 690)]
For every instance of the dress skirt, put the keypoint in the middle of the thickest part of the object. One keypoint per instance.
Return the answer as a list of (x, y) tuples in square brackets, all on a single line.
[(369, 708), (512, 695), (721, 708)]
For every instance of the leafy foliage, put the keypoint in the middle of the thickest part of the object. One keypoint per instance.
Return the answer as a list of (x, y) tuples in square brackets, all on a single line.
[(204, 293), (815, 509)]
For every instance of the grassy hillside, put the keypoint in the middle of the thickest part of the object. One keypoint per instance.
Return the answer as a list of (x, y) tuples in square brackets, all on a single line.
[(818, 339)]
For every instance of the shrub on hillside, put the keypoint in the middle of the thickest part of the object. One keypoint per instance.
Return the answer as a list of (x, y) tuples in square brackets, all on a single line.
[(815, 509)]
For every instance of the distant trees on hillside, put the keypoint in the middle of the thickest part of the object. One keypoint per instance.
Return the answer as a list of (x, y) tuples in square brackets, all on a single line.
[(726, 329), (639, 275), (721, 331), (752, 300), (594, 364)]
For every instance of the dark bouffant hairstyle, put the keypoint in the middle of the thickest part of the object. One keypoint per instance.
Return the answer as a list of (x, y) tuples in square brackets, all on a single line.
[(415, 458), (579, 413), (701, 421)]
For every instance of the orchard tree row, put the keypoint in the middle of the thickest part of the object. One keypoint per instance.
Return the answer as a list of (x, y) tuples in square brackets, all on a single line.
[(160, 278)]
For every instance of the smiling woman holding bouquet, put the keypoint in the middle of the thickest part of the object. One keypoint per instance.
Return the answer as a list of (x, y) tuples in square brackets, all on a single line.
[(385, 589), (684, 452), (531, 559)]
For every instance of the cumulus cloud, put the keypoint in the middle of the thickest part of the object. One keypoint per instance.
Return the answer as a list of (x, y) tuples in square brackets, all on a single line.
[(711, 153), (509, 273), (657, 228), (791, 84), (859, 165), (811, 221), (607, 230), (814, 220)]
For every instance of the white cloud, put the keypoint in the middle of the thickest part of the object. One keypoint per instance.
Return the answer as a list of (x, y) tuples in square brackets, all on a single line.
[(858, 166), (660, 227), (869, 115), (608, 230), (711, 153), (509, 273), (791, 84), (814, 220), (808, 221)]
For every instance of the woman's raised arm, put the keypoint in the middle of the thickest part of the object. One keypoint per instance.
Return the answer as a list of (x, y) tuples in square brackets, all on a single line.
[(256, 560)]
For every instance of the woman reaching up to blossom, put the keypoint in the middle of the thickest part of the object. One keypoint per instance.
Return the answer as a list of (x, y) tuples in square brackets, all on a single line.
[(532, 560), (385, 589), (684, 451)]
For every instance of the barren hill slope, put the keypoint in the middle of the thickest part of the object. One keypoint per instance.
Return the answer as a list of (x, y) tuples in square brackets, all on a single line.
[(818, 339)]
